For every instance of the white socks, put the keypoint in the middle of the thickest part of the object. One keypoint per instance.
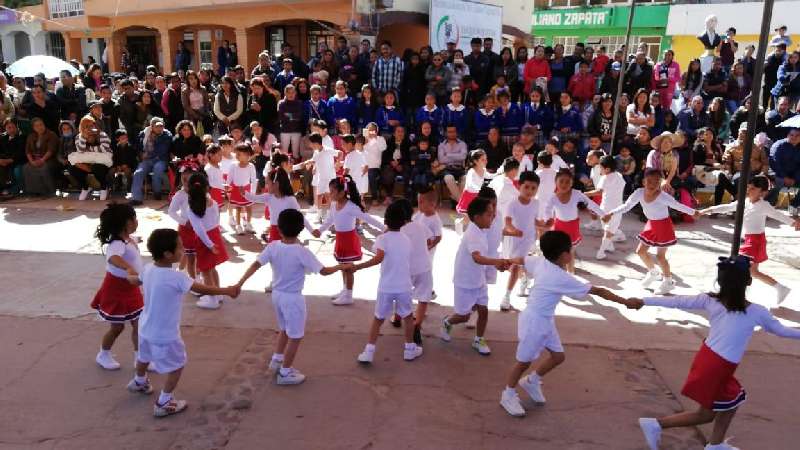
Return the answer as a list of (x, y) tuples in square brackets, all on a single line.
[(164, 398), (140, 380), (369, 348)]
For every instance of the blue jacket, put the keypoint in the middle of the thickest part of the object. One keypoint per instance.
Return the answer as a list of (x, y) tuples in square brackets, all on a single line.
[(483, 123), (457, 118), (570, 119), (161, 146), (282, 80), (786, 85), (343, 109), (511, 121), (541, 117), (784, 160), (435, 117), (322, 111), (385, 115), (366, 113)]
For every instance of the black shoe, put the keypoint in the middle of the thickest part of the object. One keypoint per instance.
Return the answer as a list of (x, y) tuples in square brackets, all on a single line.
[(418, 335), (135, 203), (396, 322)]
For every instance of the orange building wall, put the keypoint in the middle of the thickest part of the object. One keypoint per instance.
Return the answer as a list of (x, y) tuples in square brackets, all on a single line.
[(404, 36)]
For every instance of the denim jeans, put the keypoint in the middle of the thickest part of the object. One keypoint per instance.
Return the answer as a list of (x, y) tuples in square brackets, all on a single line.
[(374, 178), (159, 169)]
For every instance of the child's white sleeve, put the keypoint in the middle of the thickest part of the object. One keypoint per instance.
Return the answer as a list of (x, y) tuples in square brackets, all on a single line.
[(200, 230), (688, 302), (632, 201), (674, 204), (253, 179), (722, 209), (593, 207), (770, 211), (256, 198), (773, 325), (175, 209), (370, 220)]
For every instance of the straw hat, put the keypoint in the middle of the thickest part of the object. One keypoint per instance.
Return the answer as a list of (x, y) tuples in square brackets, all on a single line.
[(677, 140)]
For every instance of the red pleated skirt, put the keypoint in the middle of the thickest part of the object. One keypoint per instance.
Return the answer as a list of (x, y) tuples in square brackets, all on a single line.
[(347, 247), (711, 382), (118, 300), (658, 233), (571, 227), (755, 247), (206, 259)]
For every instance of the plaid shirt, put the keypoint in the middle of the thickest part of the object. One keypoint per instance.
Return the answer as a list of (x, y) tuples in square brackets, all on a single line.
[(387, 74)]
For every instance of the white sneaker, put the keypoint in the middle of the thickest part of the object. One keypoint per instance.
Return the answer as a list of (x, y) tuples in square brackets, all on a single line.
[(145, 388), (481, 346), (601, 254), (532, 384), (505, 303), (366, 356), (781, 292), (293, 377), (171, 407), (336, 295), (652, 431), (510, 402), (232, 222), (721, 446), (274, 364), (103, 195), (412, 354), (239, 230), (592, 225), (523, 287), (208, 302), (619, 236), (84, 194), (666, 286), (345, 298), (650, 277), (248, 228), (445, 331), (106, 361)]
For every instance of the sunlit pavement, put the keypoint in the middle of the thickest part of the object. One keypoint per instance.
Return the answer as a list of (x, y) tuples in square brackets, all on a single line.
[(620, 364)]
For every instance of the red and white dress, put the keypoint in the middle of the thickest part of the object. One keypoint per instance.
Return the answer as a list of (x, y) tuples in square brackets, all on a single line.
[(343, 219), (275, 206), (473, 182), (658, 231), (755, 220), (711, 382), (216, 183), (207, 230), (118, 300), (242, 179), (177, 210), (566, 215)]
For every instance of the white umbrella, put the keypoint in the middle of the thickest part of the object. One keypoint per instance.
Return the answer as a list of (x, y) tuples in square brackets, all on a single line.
[(50, 66)]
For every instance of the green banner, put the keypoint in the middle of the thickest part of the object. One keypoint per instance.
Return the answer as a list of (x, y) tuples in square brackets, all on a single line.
[(655, 16)]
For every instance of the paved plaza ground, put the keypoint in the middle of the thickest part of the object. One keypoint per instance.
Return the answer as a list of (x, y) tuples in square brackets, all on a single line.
[(620, 364)]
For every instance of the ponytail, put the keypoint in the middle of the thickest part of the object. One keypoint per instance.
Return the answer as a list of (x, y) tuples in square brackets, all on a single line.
[(198, 193), (280, 177), (474, 156), (348, 186)]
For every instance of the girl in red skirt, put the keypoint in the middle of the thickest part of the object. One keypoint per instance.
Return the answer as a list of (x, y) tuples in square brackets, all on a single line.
[(561, 211), (711, 381), (473, 182), (203, 215), (242, 178), (659, 231), (345, 211), (118, 301), (756, 212), (216, 179), (177, 210)]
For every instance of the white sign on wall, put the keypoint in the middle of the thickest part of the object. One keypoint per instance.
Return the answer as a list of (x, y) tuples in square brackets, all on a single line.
[(459, 21)]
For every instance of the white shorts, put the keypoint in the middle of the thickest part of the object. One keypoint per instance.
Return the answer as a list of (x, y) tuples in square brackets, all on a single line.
[(464, 299), (321, 183), (423, 286), (164, 357), (613, 225), (290, 311), (536, 333), (521, 247), (385, 301), (491, 274)]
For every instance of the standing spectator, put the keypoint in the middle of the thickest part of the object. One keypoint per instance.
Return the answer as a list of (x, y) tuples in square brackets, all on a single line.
[(40, 149), (264, 67), (129, 109), (315, 108), (738, 87), (414, 84), (44, 108), (494, 58), (749, 61), (728, 49), (437, 75), (539, 115), (364, 51), (154, 143), (171, 103), (183, 57), (342, 48), (559, 74), (571, 61), (368, 105), (535, 68), (71, 98), (692, 82), (298, 66), (228, 105), (92, 155), (781, 37), (388, 70), (693, 118), (775, 117), (774, 61), (290, 118), (353, 71), (330, 64), (610, 83), (342, 106), (196, 103), (373, 153), (389, 115), (567, 119), (285, 76), (518, 90), (639, 74), (459, 69), (479, 66), (223, 57), (784, 160), (233, 56), (788, 83), (666, 75), (600, 62), (582, 85), (13, 158)]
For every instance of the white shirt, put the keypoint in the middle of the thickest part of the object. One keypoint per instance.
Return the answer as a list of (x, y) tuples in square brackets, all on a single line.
[(550, 283), (178, 206), (494, 236), (373, 149), (613, 187), (164, 288), (324, 164), (473, 182), (419, 235), (354, 162), (225, 164), (214, 174), (396, 265), (277, 205), (729, 332), (468, 274), (755, 215), (505, 190), (523, 217), (567, 212), (558, 163), (596, 174), (658, 209), (525, 165), (327, 141), (243, 176), (344, 219), (202, 225), (290, 263), (129, 252), (433, 223), (547, 187)]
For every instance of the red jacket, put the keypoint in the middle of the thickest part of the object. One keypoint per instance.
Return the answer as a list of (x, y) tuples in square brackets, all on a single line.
[(599, 65), (536, 68), (582, 87)]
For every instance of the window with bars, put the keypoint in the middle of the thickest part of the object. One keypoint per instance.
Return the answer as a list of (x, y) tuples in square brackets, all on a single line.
[(612, 43), (65, 8), (55, 45)]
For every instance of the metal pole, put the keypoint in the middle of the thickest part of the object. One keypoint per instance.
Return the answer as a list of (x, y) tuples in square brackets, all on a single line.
[(621, 77), (755, 96)]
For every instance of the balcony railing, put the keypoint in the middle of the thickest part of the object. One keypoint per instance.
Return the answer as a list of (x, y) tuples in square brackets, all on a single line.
[(65, 8)]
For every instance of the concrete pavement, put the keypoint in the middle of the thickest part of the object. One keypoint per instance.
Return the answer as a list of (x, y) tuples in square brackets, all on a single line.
[(620, 364)]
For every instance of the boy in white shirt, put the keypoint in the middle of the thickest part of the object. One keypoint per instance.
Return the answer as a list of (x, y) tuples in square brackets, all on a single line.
[(595, 175), (160, 344), (469, 275), (324, 161), (520, 219), (537, 330), (427, 201), (547, 180), (355, 164), (504, 186), (393, 252), (290, 262), (421, 238), (612, 187)]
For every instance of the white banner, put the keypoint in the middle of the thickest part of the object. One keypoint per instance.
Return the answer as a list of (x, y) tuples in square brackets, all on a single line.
[(460, 21)]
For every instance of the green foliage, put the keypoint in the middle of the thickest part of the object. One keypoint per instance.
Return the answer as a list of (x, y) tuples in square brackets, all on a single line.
[(20, 3)]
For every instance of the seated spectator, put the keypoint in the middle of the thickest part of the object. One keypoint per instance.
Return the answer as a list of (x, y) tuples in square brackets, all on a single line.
[(510, 118), (730, 175), (92, 155), (777, 116), (583, 84), (719, 119), (40, 149), (485, 118), (389, 115), (788, 81), (419, 171), (784, 161), (125, 159), (430, 113), (567, 119), (738, 87), (527, 140), (186, 144), (496, 150), (740, 116), (715, 82), (693, 118), (639, 112), (12, 159), (451, 156), (154, 143), (664, 157), (394, 161)]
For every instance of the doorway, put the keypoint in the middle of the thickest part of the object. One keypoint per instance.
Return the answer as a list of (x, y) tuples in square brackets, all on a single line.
[(141, 53)]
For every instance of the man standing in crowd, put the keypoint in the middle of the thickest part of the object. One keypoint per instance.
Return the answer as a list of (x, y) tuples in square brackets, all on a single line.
[(388, 70), (479, 65), (223, 57), (71, 98)]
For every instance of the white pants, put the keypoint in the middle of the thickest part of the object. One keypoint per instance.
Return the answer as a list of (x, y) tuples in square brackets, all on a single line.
[(293, 140), (290, 311)]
